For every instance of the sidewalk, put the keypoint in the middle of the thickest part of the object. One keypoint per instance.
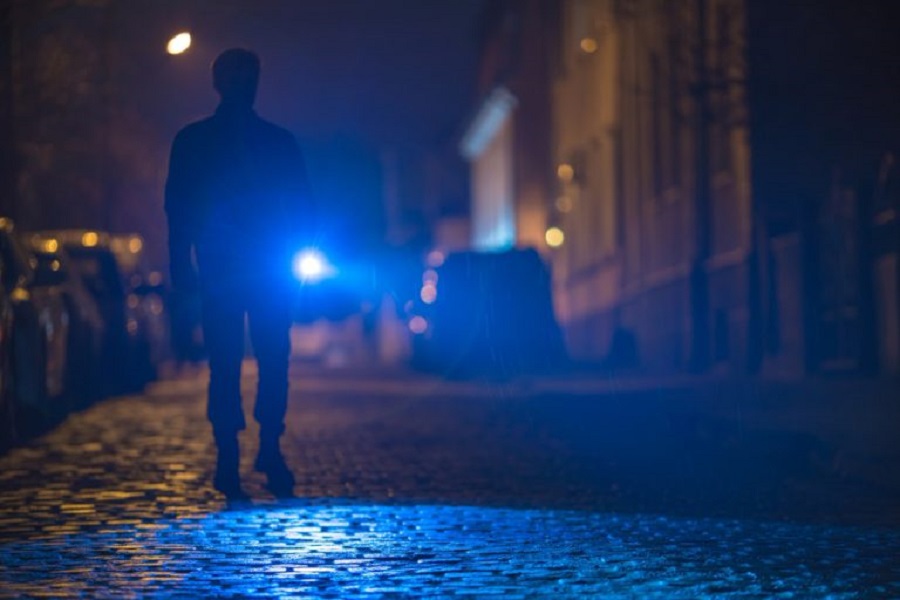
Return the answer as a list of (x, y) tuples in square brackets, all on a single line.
[(851, 425)]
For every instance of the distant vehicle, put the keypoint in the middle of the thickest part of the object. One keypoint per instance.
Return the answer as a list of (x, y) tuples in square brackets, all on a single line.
[(327, 290), (40, 330), (126, 352), (330, 295), (486, 314), (147, 298), (87, 328)]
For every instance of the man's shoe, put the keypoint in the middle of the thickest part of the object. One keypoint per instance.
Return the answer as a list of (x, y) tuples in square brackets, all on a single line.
[(280, 480), (227, 478), (229, 483)]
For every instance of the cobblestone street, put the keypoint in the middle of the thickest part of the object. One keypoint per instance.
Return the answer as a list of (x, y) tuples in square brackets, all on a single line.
[(415, 488)]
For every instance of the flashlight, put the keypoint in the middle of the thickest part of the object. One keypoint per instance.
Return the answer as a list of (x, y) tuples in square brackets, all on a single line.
[(311, 266)]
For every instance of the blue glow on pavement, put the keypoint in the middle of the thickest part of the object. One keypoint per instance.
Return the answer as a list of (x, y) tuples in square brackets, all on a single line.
[(343, 550)]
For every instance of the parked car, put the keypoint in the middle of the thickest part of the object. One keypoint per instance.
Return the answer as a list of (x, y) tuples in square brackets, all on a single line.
[(87, 328), (486, 314), (149, 307), (40, 331), (147, 299), (125, 352), (8, 413), (327, 288)]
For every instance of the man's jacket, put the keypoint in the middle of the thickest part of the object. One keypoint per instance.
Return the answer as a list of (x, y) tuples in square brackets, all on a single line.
[(237, 193)]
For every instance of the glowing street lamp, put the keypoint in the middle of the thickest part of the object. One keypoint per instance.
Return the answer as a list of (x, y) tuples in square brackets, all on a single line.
[(179, 44), (555, 237)]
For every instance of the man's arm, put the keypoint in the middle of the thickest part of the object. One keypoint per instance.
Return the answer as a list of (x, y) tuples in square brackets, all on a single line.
[(179, 212)]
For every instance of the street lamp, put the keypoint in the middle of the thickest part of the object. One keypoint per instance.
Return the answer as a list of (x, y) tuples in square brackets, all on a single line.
[(179, 44), (555, 237)]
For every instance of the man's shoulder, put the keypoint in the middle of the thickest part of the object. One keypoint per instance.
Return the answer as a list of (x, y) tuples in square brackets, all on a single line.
[(275, 132), (197, 129)]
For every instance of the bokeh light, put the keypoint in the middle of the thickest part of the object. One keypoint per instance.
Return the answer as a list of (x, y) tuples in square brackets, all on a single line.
[(555, 237), (179, 44)]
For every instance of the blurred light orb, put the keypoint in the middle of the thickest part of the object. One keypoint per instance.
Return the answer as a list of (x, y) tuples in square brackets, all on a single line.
[(428, 293), (565, 172), (135, 245), (589, 45), (418, 325), (555, 237), (155, 278), (179, 43), (90, 239), (430, 276), (564, 204), (435, 258)]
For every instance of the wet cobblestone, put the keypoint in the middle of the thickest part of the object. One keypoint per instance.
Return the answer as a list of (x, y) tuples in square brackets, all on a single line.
[(398, 495)]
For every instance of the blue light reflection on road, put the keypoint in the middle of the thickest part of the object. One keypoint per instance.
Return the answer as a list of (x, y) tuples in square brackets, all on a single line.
[(353, 550)]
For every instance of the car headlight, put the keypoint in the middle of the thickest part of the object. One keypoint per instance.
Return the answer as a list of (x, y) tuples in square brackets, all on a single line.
[(311, 266)]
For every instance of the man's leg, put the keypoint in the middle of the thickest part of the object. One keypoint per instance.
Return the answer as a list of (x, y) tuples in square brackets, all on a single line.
[(223, 332), (270, 323)]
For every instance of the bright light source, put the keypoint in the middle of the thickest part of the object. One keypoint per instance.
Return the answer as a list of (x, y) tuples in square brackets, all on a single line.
[(428, 293), (555, 237), (418, 325), (589, 45), (311, 266), (179, 44), (565, 172), (90, 239), (135, 244), (50, 246)]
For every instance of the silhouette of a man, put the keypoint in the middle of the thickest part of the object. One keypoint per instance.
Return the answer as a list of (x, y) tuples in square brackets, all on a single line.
[(238, 205)]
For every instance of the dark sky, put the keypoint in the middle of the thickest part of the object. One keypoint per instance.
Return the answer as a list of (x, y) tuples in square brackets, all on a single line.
[(348, 77), (386, 70)]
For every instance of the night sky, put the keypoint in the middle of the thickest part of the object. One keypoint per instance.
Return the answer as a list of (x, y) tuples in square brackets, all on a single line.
[(348, 77)]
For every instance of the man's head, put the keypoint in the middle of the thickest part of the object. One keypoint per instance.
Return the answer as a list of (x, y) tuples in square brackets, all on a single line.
[(236, 76)]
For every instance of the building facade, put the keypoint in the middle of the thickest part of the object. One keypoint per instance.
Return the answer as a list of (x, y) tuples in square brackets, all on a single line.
[(652, 161), (643, 203), (508, 137)]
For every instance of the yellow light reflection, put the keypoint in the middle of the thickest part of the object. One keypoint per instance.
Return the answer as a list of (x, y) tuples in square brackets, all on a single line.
[(90, 239), (589, 45), (555, 237), (565, 172), (179, 44), (135, 244)]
